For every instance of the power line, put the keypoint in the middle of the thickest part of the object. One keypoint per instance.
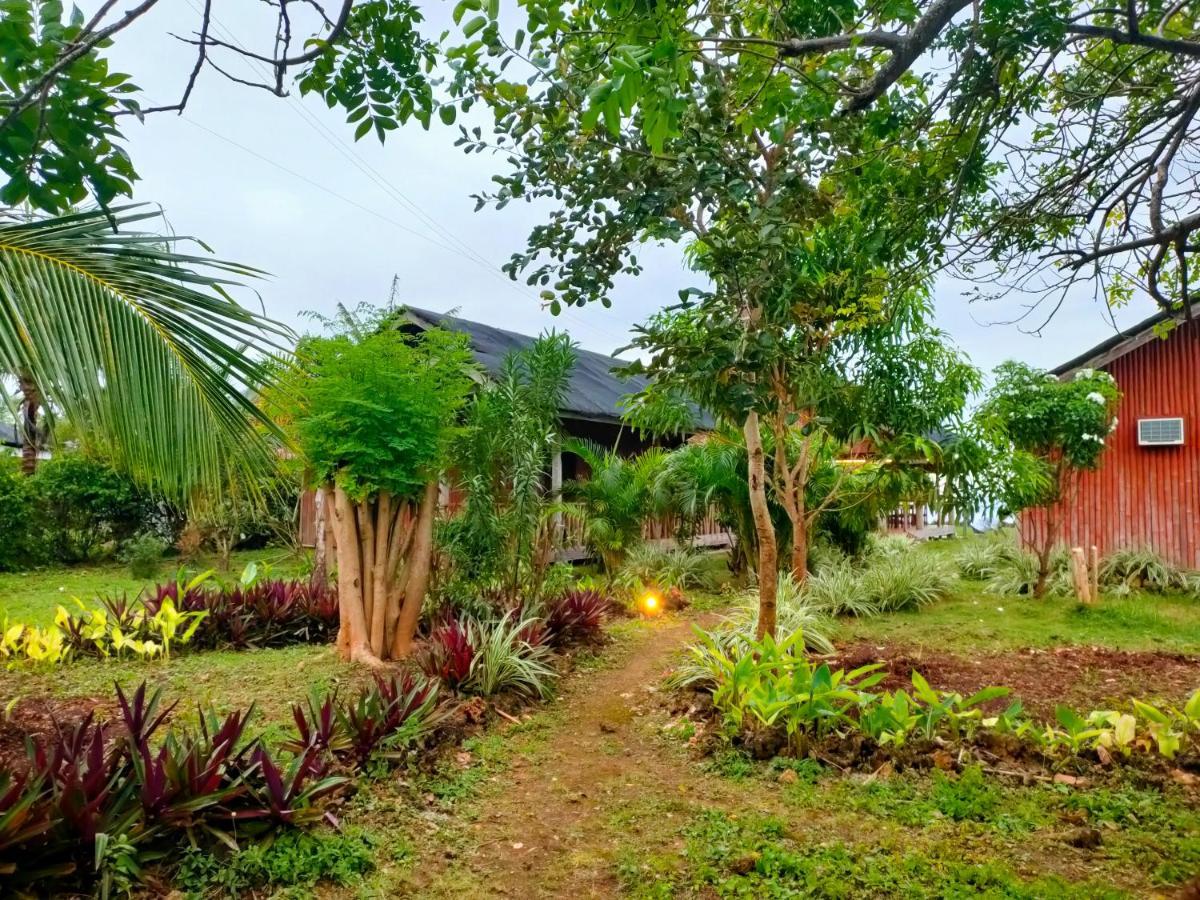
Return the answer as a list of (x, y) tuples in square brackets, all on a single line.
[(452, 242)]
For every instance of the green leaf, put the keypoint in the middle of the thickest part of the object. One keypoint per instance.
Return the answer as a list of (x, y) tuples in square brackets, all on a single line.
[(447, 114), (476, 25)]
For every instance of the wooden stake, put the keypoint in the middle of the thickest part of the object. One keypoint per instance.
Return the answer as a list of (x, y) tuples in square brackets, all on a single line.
[(1079, 574), (1095, 561)]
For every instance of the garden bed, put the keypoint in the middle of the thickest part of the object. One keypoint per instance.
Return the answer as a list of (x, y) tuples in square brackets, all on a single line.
[(1082, 677)]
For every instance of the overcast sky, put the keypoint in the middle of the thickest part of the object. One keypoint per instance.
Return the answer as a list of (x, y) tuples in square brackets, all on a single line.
[(280, 184)]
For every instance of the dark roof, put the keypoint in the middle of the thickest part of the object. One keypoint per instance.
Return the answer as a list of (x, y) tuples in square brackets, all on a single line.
[(1111, 348), (9, 436), (595, 390)]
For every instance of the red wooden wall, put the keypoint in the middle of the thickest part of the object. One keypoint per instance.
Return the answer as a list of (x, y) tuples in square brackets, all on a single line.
[(1144, 496)]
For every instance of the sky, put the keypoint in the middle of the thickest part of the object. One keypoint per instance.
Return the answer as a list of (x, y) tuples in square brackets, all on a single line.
[(279, 184)]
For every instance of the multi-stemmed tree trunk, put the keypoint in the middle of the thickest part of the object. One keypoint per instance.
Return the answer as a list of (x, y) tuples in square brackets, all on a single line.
[(384, 550), (768, 554)]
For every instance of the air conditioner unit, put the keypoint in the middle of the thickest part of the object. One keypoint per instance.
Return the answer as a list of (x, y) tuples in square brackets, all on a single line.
[(1160, 432)]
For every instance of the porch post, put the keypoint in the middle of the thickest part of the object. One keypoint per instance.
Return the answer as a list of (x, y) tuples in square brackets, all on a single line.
[(556, 482)]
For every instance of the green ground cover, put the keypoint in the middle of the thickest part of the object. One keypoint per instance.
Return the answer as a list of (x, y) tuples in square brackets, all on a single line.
[(32, 597)]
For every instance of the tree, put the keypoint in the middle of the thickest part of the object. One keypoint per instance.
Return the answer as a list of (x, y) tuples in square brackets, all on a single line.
[(1080, 111), (372, 410), (138, 345), (790, 257), (62, 107), (511, 432), (1064, 426)]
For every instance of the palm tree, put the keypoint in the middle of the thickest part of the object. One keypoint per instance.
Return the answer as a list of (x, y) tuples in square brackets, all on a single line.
[(615, 499), (139, 346)]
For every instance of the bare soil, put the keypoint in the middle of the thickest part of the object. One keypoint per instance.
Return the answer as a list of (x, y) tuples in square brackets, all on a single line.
[(1081, 677), (38, 719)]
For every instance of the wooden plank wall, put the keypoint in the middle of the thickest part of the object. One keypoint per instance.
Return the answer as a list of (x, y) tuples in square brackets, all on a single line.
[(1144, 496)]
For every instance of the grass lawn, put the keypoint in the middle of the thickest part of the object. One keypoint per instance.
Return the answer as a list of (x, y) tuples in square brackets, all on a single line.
[(32, 597), (974, 620)]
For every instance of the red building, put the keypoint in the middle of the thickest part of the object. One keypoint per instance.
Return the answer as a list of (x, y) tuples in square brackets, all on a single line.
[(1146, 491)]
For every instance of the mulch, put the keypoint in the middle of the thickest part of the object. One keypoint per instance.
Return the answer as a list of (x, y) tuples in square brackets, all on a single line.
[(38, 719), (1084, 678)]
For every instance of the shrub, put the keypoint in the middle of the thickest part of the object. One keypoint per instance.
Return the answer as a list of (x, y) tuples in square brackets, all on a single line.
[(888, 545), (576, 616), (86, 504), (449, 653), (1017, 574), (1141, 568), (664, 568), (99, 799), (835, 590), (293, 858), (506, 661), (267, 613), (22, 546), (906, 582), (144, 555)]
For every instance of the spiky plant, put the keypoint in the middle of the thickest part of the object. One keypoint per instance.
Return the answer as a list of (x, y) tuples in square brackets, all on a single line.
[(1141, 568), (506, 661), (906, 582)]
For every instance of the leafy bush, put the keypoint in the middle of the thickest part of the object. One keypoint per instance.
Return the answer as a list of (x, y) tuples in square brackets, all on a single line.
[(663, 568), (449, 653), (982, 559), (293, 858), (266, 613), (906, 581), (100, 797), (888, 545), (835, 591), (1017, 574), (506, 661), (86, 504), (575, 616), (1141, 568), (144, 555), (21, 547), (770, 686)]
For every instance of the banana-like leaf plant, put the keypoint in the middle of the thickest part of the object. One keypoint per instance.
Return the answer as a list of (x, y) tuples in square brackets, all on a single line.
[(139, 345)]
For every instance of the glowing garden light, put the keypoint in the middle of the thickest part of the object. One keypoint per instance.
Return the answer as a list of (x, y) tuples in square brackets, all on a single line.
[(650, 604)]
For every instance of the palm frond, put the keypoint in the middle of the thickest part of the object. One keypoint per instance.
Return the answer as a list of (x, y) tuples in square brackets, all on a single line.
[(139, 345)]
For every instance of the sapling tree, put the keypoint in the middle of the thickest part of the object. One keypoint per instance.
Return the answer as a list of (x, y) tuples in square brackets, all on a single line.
[(372, 410), (1063, 425), (511, 432)]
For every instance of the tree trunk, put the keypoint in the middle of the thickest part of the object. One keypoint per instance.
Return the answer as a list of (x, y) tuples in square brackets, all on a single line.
[(764, 529), (800, 546), (1045, 550), (31, 403), (320, 571), (383, 563), (416, 580)]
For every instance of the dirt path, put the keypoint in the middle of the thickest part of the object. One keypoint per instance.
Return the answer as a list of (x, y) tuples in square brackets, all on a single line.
[(556, 827)]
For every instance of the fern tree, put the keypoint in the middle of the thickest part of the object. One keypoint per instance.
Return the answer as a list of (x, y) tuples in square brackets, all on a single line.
[(372, 411)]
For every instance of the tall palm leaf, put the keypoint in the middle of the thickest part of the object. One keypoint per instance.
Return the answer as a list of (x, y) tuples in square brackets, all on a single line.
[(140, 346)]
